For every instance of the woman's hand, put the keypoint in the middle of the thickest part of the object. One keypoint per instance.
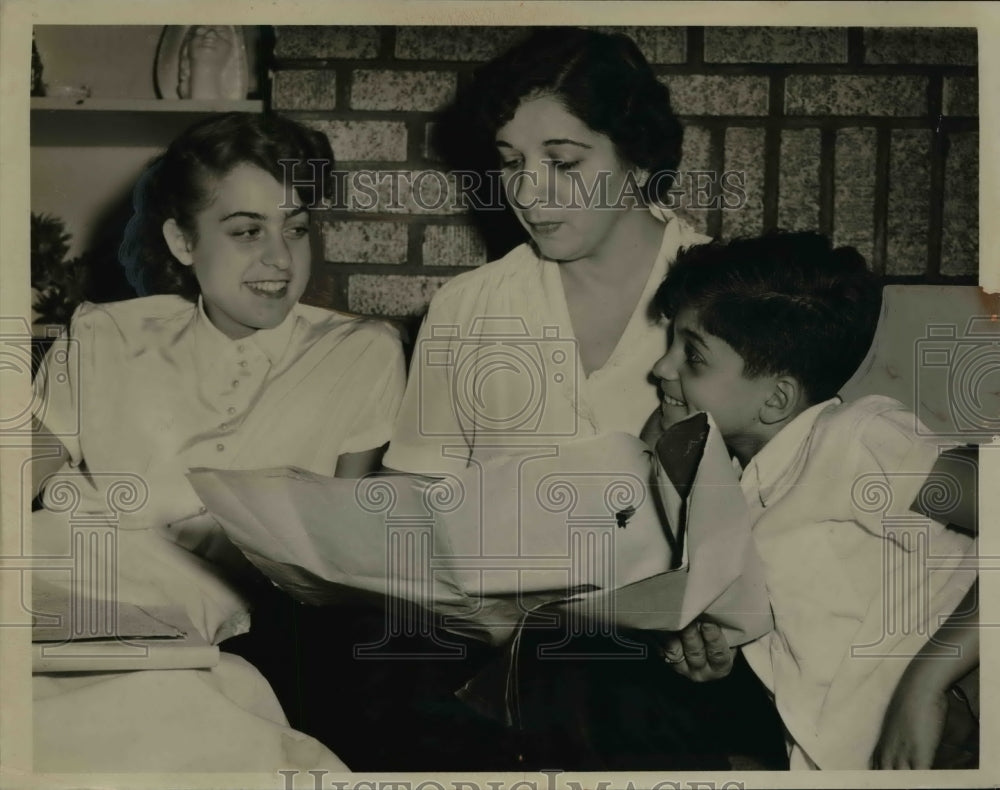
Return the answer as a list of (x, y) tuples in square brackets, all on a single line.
[(700, 652), (911, 730)]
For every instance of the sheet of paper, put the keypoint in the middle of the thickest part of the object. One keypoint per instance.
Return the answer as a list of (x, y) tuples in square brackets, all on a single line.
[(719, 576), (568, 518), (581, 518)]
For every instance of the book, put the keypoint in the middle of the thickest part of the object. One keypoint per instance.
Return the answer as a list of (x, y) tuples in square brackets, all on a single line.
[(75, 632)]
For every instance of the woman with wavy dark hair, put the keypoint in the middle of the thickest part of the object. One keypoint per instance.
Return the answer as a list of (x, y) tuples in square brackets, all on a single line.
[(553, 343), (580, 132)]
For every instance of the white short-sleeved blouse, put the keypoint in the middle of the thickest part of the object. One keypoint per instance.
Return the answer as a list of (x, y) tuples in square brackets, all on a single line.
[(151, 387), (148, 388), (495, 364)]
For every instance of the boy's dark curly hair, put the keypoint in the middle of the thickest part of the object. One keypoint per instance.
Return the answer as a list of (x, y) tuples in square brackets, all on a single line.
[(601, 78), (179, 183), (787, 303)]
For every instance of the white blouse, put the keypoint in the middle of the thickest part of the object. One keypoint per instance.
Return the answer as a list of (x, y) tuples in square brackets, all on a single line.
[(151, 387), (495, 364)]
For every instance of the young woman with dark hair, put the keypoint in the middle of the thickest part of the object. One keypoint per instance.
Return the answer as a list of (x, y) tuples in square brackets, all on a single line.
[(179, 184), (218, 363)]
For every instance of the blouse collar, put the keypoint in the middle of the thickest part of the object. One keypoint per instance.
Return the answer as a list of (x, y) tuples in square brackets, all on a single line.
[(215, 344)]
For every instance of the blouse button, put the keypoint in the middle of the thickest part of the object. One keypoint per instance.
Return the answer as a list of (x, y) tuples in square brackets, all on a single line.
[(236, 382), (240, 348), (203, 510), (231, 410), (220, 447), (243, 363)]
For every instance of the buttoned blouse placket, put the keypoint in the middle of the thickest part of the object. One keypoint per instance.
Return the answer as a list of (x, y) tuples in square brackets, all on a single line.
[(232, 372), (245, 373)]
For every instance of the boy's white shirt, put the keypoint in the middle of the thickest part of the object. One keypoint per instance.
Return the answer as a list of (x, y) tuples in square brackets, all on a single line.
[(822, 472)]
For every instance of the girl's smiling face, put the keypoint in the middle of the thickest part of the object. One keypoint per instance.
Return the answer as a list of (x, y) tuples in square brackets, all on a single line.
[(250, 253), (551, 162)]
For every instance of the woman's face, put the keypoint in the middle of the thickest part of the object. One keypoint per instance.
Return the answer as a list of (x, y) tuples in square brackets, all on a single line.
[(252, 255), (564, 181)]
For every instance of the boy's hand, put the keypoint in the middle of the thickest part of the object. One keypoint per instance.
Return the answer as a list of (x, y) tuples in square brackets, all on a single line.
[(914, 721), (911, 730), (700, 652)]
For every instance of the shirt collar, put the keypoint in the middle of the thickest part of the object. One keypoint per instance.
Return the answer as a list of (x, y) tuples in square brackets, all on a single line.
[(272, 342), (670, 242), (782, 457)]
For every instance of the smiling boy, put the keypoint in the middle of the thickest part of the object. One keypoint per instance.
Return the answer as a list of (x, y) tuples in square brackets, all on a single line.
[(763, 334)]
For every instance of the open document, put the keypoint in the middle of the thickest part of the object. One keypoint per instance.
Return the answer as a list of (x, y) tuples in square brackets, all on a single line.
[(719, 575), (569, 523)]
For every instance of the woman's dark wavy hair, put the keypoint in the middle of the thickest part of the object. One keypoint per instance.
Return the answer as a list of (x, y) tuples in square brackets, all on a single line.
[(179, 184), (601, 78), (788, 304)]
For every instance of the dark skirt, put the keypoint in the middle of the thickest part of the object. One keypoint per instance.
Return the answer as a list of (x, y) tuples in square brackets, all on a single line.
[(381, 699), (384, 698)]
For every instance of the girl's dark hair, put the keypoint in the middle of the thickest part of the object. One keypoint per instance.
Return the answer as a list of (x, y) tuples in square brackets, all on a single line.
[(601, 78), (787, 303), (178, 184)]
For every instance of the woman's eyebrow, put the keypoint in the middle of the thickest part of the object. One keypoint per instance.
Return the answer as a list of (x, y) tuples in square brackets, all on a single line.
[(247, 214), (258, 216), (553, 141), (567, 141)]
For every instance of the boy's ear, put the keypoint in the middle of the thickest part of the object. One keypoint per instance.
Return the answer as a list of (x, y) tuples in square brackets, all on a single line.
[(784, 402), (177, 241)]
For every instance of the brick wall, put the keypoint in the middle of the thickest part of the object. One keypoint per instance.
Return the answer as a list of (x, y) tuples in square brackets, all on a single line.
[(868, 134)]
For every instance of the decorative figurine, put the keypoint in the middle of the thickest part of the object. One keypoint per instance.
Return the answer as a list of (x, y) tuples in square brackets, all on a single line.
[(202, 62)]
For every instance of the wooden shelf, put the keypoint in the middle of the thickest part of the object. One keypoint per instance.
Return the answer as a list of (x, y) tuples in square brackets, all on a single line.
[(50, 103), (58, 121)]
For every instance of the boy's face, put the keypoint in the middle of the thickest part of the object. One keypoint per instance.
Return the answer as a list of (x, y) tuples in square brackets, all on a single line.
[(701, 372)]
